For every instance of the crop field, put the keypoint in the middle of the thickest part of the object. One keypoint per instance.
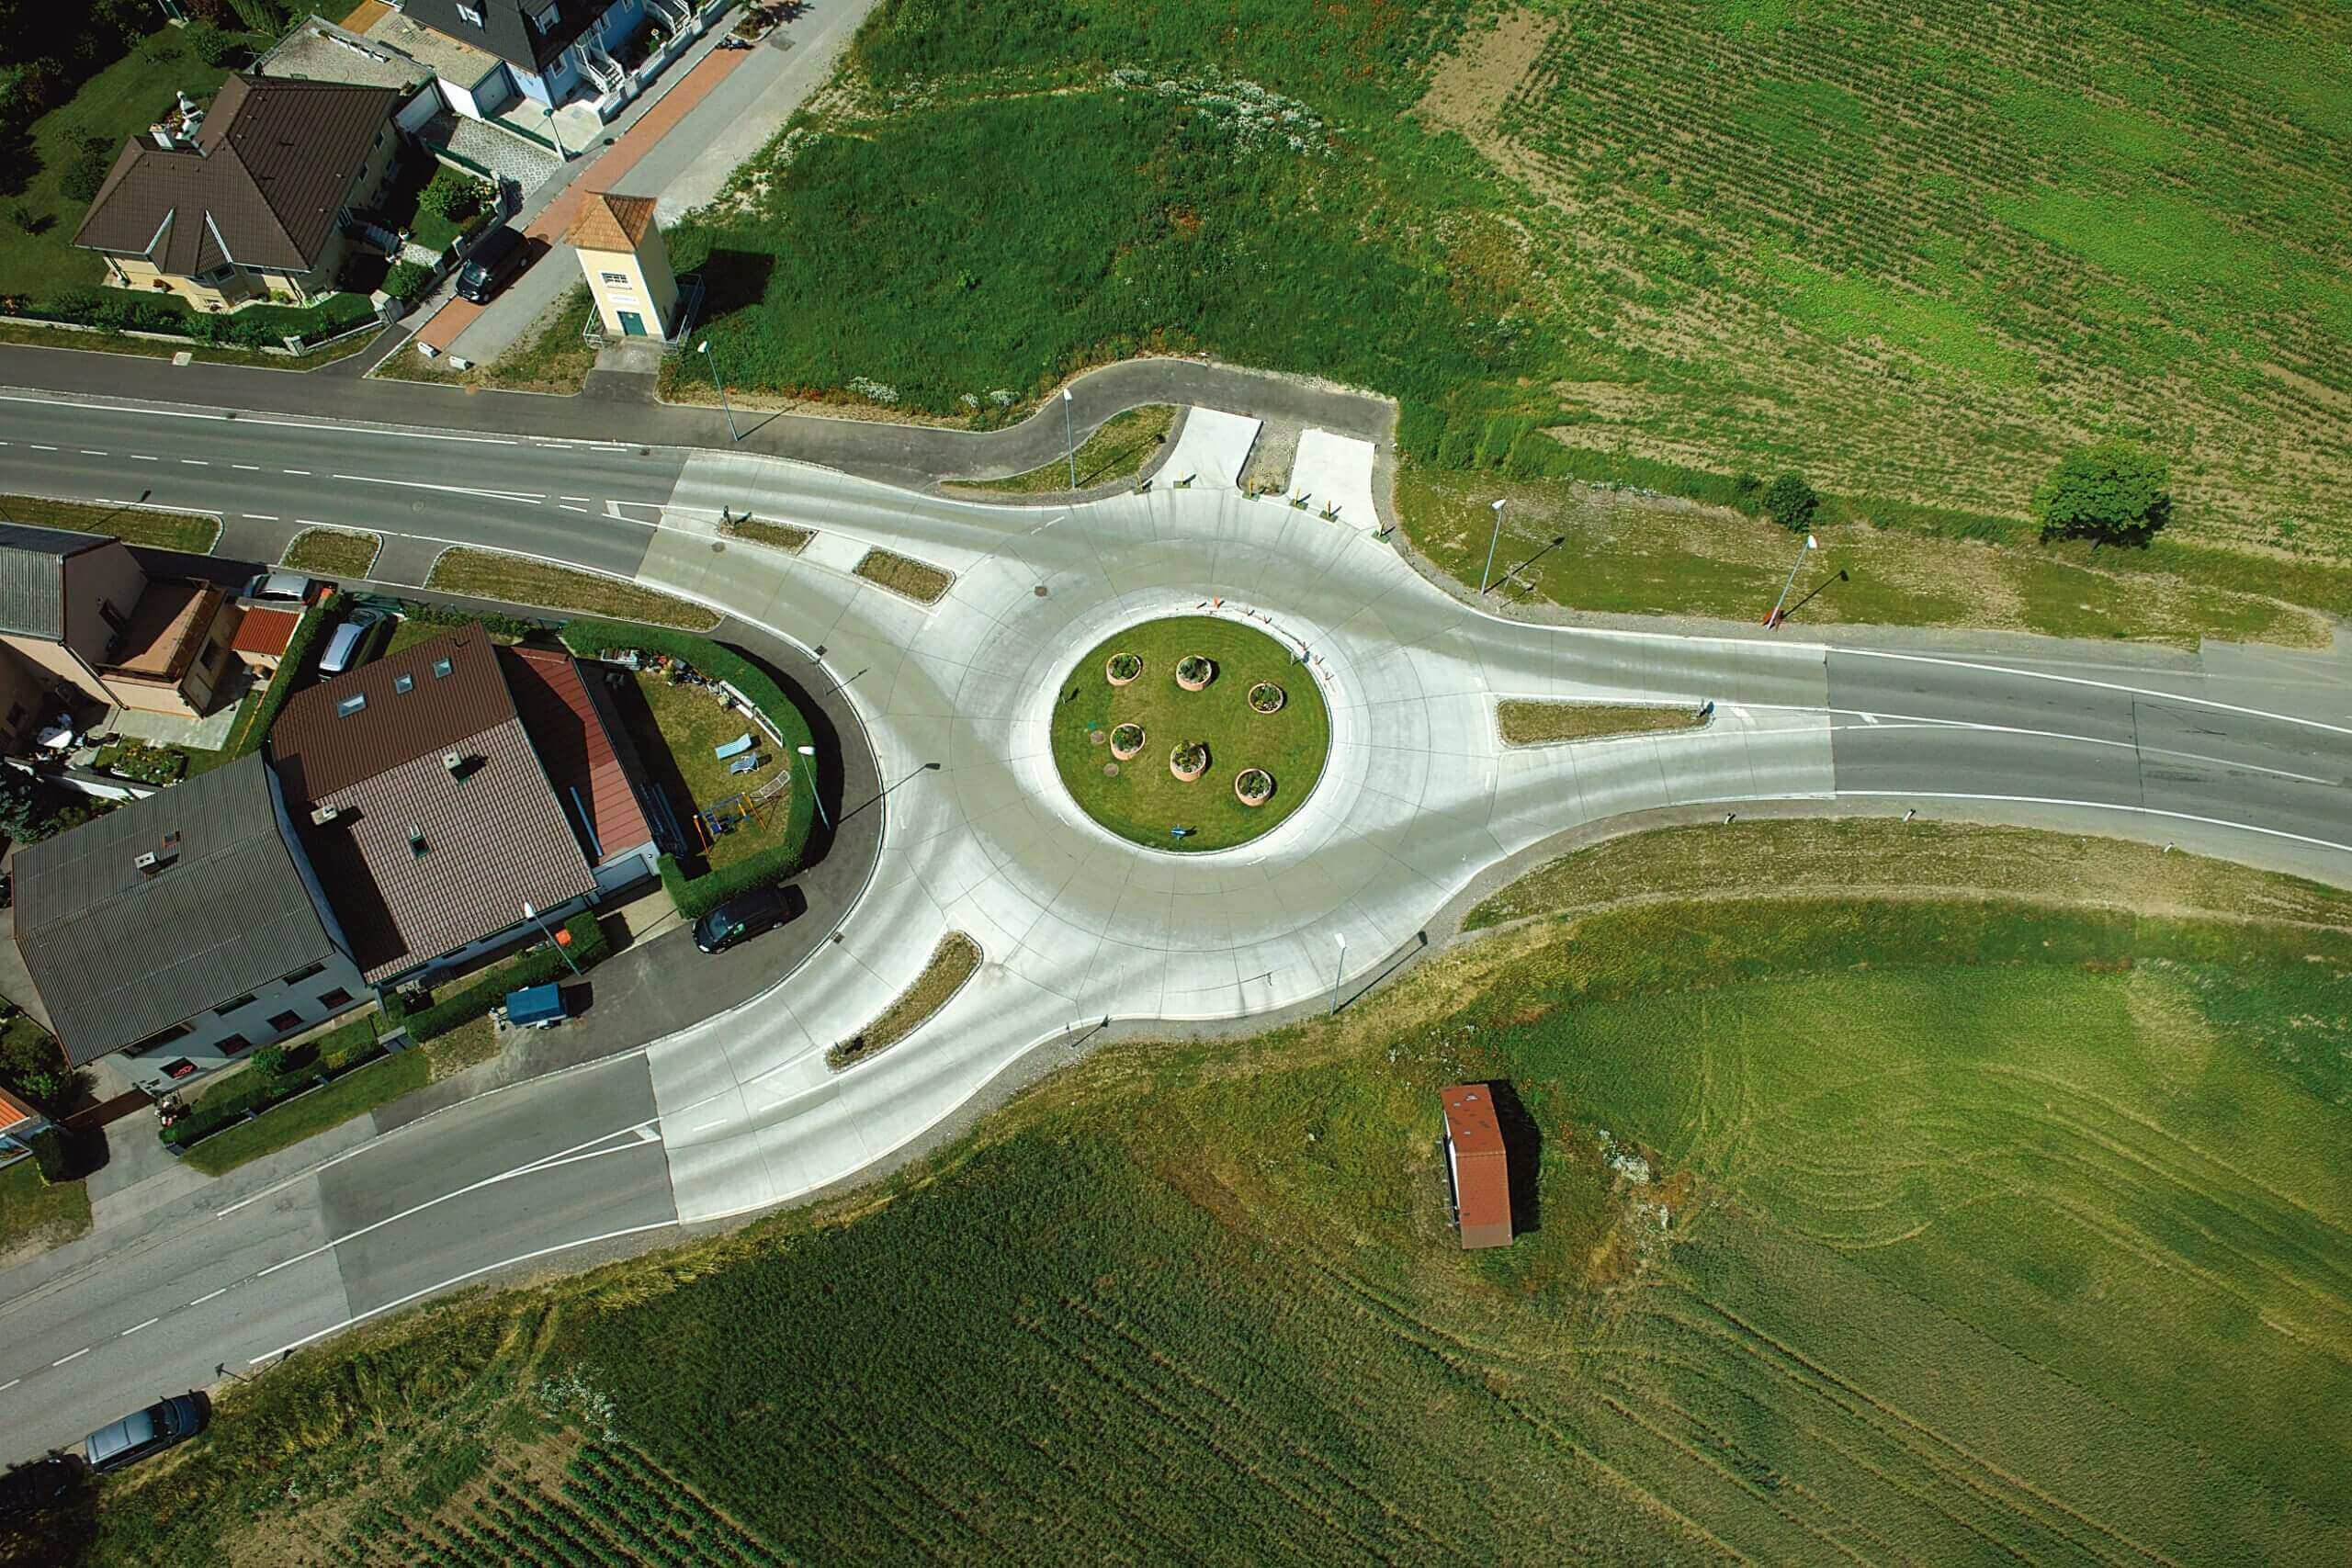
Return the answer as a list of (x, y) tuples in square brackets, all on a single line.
[(1993, 1223), (1917, 252)]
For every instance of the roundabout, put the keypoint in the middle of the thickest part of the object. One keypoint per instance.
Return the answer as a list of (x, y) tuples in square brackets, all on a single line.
[(1240, 718)]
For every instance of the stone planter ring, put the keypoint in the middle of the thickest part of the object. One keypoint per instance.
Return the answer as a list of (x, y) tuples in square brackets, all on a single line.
[(1192, 752), (1130, 663), (1126, 740), (1251, 779), (1194, 671), (1267, 697)]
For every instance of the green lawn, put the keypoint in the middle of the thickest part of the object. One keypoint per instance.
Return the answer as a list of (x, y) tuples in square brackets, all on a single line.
[(1988, 1225), (332, 552), (552, 358), (516, 580), (1117, 450), (677, 731), (1144, 799), (282, 1126), (34, 1215), (189, 531)]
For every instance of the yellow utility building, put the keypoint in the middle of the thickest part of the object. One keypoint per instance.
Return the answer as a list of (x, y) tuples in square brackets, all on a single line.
[(627, 264)]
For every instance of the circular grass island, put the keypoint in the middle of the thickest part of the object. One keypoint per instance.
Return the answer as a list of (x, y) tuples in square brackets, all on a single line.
[(1289, 745)]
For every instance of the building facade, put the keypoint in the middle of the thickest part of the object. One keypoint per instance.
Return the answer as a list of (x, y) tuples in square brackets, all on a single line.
[(82, 622), (627, 265)]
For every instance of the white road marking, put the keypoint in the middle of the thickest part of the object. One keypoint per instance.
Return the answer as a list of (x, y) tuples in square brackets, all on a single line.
[(249, 467), (2099, 686), (137, 1326), (533, 497), (75, 1357), (143, 457), (260, 516), (2094, 806), (1915, 721), (92, 452), (196, 462), (587, 498), (304, 472), (1870, 718), (38, 448), (12, 1382), (221, 1291), (461, 1278), (582, 510)]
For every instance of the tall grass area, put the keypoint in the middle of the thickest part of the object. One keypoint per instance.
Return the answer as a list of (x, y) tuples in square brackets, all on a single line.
[(1990, 1224)]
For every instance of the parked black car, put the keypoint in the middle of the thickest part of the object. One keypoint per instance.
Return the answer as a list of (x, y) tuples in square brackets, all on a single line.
[(502, 253), (745, 915), (144, 1432)]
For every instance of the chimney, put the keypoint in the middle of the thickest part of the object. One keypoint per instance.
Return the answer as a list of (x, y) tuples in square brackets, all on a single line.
[(416, 845), (455, 764), (324, 815), (148, 863)]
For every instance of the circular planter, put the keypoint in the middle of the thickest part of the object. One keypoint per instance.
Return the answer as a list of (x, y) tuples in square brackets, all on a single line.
[(1248, 778), (1126, 740), (1267, 697), (1195, 671), (1129, 662), (1193, 753)]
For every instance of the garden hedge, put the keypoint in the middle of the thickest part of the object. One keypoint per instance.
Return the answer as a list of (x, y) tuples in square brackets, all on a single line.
[(49, 1151), (697, 896), (281, 684), (354, 1045), (450, 1008)]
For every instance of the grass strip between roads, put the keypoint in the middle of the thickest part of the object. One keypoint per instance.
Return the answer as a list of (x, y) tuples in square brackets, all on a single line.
[(784, 537), (905, 576), (1527, 722), (1117, 450), (332, 552), (955, 960), (519, 580), (190, 530)]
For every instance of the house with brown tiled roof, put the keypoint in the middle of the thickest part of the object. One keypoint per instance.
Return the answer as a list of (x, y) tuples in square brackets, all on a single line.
[(458, 796), (252, 199)]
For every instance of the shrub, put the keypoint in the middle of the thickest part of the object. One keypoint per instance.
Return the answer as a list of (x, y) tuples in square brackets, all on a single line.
[(448, 1010), (212, 45), (1790, 501), (451, 195), (407, 281), (269, 1061), (87, 172), (49, 1153), (2111, 491)]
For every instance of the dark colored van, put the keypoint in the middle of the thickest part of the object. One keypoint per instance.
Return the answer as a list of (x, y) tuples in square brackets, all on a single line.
[(147, 1431), (745, 915), (496, 260)]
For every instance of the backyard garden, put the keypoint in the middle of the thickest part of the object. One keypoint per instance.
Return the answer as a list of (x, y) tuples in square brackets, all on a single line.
[(1191, 733)]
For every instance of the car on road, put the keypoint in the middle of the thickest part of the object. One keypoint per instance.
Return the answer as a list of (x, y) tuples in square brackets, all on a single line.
[(144, 1432), (502, 253), (344, 643), (744, 916)]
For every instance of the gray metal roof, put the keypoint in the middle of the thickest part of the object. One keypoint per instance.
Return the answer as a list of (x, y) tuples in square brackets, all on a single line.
[(32, 576), (118, 954)]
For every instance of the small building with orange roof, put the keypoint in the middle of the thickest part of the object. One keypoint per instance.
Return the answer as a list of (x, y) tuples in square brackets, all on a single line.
[(1477, 1168), (627, 264)]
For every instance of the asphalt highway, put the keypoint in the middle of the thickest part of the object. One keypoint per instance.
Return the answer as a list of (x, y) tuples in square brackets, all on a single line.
[(2236, 753)]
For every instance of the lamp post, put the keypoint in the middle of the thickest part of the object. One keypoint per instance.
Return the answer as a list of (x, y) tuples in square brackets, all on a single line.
[(533, 916), (1337, 970), (1497, 539), (1774, 618), (1070, 439), (703, 348), (810, 753), (556, 131)]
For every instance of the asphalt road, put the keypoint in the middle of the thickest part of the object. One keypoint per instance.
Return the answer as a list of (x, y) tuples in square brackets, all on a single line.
[(2242, 754)]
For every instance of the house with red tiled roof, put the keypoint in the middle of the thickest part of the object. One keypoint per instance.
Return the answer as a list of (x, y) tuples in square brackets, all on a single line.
[(457, 795)]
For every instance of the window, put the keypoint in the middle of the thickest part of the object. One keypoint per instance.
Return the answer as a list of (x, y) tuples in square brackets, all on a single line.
[(471, 14), (545, 18), (162, 1037), (335, 999), (442, 667), (233, 1004), (300, 976), (620, 277), (282, 1021), (346, 706), (230, 1044), (403, 683)]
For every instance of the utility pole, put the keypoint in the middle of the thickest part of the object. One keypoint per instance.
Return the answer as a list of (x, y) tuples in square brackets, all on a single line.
[(703, 348), (1774, 618), (1337, 970), (533, 916), (1070, 439), (1497, 539)]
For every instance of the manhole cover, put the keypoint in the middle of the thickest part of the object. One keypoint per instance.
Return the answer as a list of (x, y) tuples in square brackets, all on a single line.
[(1039, 591), (1110, 770)]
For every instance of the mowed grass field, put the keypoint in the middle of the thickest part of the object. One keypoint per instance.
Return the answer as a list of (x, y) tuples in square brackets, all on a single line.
[(1917, 252), (1983, 1221)]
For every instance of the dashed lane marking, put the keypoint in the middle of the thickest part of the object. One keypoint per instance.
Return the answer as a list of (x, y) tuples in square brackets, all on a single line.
[(75, 1357), (137, 1326)]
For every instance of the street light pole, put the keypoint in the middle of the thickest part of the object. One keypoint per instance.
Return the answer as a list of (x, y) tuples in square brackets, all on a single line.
[(1774, 618), (533, 916), (1339, 970), (810, 753), (1497, 539), (1070, 439), (703, 348)]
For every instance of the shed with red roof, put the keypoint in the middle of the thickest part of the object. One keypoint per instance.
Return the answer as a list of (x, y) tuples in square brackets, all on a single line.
[(1477, 1166)]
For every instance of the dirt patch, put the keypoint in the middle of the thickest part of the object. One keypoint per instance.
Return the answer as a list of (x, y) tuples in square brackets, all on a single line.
[(1468, 89)]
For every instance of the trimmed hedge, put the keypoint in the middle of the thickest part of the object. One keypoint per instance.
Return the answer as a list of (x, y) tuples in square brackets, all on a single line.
[(281, 685), (697, 896), (448, 1010), (48, 1147), (331, 1056)]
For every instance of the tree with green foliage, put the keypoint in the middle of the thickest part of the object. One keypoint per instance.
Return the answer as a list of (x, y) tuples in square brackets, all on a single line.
[(2113, 492), (32, 1066), (269, 1061), (26, 806), (87, 172), (212, 45), (406, 281), (50, 1154), (451, 195), (1790, 501)]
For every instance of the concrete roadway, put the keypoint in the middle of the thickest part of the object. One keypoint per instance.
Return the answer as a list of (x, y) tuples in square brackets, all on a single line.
[(2243, 752)]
